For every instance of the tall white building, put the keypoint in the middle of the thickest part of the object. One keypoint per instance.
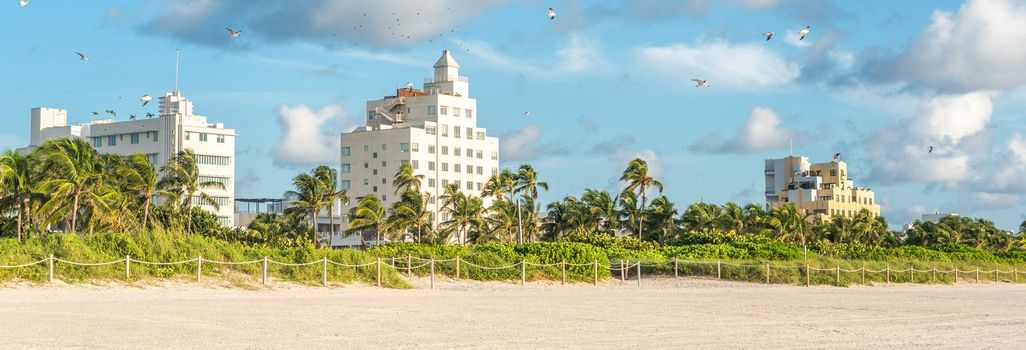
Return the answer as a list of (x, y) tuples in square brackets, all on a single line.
[(176, 128), (434, 129)]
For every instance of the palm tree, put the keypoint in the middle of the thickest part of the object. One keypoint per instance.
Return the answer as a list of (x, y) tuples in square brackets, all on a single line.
[(368, 215), (732, 217), (138, 175), (328, 177), (410, 213), (406, 180), (308, 197), (602, 208), (181, 181), (664, 220), (502, 220), (638, 180), (701, 217), (17, 184), (500, 185), (466, 218), (526, 183), (628, 211), (74, 173)]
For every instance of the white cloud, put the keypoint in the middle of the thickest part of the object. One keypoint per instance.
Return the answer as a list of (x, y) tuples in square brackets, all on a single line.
[(308, 137), (519, 145), (978, 48), (578, 54), (743, 66), (793, 37), (760, 132)]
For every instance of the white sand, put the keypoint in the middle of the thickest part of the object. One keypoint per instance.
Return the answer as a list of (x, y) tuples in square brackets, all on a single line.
[(664, 313)]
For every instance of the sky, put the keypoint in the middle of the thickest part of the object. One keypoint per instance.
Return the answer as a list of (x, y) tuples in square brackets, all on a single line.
[(604, 82)]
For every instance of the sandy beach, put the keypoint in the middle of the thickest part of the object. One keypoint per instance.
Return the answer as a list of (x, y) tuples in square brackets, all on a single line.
[(663, 313)]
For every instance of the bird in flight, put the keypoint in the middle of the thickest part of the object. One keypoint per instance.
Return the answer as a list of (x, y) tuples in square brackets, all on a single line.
[(95, 113), (701, 82), (149, 115), (82, 56), (769, 35), (803, 33), (929, 149), (145, 99), (552, 13), (22, 3), (131, 117), (527, 114), (112, 113), (233, 33)]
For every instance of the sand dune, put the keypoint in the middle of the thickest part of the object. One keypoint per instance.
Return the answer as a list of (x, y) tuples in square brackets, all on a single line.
[(663, 313)]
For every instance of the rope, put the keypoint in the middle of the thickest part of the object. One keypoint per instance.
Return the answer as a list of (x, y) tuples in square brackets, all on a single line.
[(23, 265), (294, 265), (339, 264), (542, 265), (492, 268), (89, 264), (233, 263), (163, 263)]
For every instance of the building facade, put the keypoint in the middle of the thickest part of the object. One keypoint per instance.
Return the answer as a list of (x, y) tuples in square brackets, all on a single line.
[(434, 129), (175, 129), (819, 189)]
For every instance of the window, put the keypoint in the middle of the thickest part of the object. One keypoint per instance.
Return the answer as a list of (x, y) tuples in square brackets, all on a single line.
[(416, 164), (480, 154), (470, 169), (495, 171), (480, 170), (416, 147), (431, 149), (135, 138), (456, 151), (404, 162), (383, 181), (155, 136), (188, 135), (445, 182), (366, 148), (224, 181), (384, 197), (456, 112), (445, 150), (97, 142), (375, 155), (833, 172), (345, 151), (370, 115), (221, 201), (470, 113), (375, 188), (220, 138), (375, 171), (470, 186), (478, 186), (384, 164), (430, 129), (345, 185), (203, 137), (366, 165), (456, 131), (152, 157), (470, 133), (480, 135), (346, 168), (431, 166), (443, 110), (384, 147), (445, 166), (470, 152), (456, 183), (366, 182), (432, 110), (404, 147), (456, 168), (213, 160), (495, 155), (112, 141), (445, 130), (431, 182)]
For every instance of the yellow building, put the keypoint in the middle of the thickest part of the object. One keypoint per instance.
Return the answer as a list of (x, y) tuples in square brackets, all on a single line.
[(820, 189)]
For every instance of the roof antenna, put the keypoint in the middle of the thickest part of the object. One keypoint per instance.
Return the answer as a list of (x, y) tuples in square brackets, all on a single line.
[(178, 56), (791, 141)]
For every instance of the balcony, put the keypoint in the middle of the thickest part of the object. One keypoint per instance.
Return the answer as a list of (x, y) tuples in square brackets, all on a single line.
[(431, 80)]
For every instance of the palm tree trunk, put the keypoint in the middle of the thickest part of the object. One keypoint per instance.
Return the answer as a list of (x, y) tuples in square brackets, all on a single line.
[(74, 213), (20, 208), (146, 211), (331, 221), (313, 228)]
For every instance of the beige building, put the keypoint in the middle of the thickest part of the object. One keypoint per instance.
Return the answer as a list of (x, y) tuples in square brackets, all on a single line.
[(435, 129), (821, 189)]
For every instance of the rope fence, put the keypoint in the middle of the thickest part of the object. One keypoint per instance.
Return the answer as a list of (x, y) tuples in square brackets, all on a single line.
[(623, 270)]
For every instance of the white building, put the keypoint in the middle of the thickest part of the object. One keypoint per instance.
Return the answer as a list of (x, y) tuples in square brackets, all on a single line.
[(434, 129), (176, 128)]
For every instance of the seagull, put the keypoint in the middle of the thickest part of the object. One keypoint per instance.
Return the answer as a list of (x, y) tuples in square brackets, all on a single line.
[(527, 114), (769, 35), (131, 117), (803, 33), (929, 149), (82, 56), (145, 99), (701, 82), (22, 3), (149, 115), (233, 33), (112, 113), (95, 113), (552, 13)]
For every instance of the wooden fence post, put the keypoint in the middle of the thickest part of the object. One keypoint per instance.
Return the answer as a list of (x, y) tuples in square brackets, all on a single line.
[(51, 268), (379, 272), (863, 274), (719, 270), (933, 278), (808, 276), (837, 277), (996, 275), (594, 280), (128, 273), (263, 276), (457, 267), (623, 274), (409, 265), (1016, 272), (639, 273), (324, 271), (523, 272), (912, 274), (199, 268), (956, 275), (675, 273), (562, 266), (432, 273), (888, 274), (767, 273), (977, 275)]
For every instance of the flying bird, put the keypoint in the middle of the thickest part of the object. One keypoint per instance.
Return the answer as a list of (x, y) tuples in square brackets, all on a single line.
[(112, 113), (131, 117), (700, 82), (95, 113), (22, 3), (149, 115), (552, 13), (527, 114), (233, 33), (803, 33), (82, 56), (929, 149), (145, 99), (769, 35)]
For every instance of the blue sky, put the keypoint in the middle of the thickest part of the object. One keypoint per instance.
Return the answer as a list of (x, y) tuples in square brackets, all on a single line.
[(877, 81)]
